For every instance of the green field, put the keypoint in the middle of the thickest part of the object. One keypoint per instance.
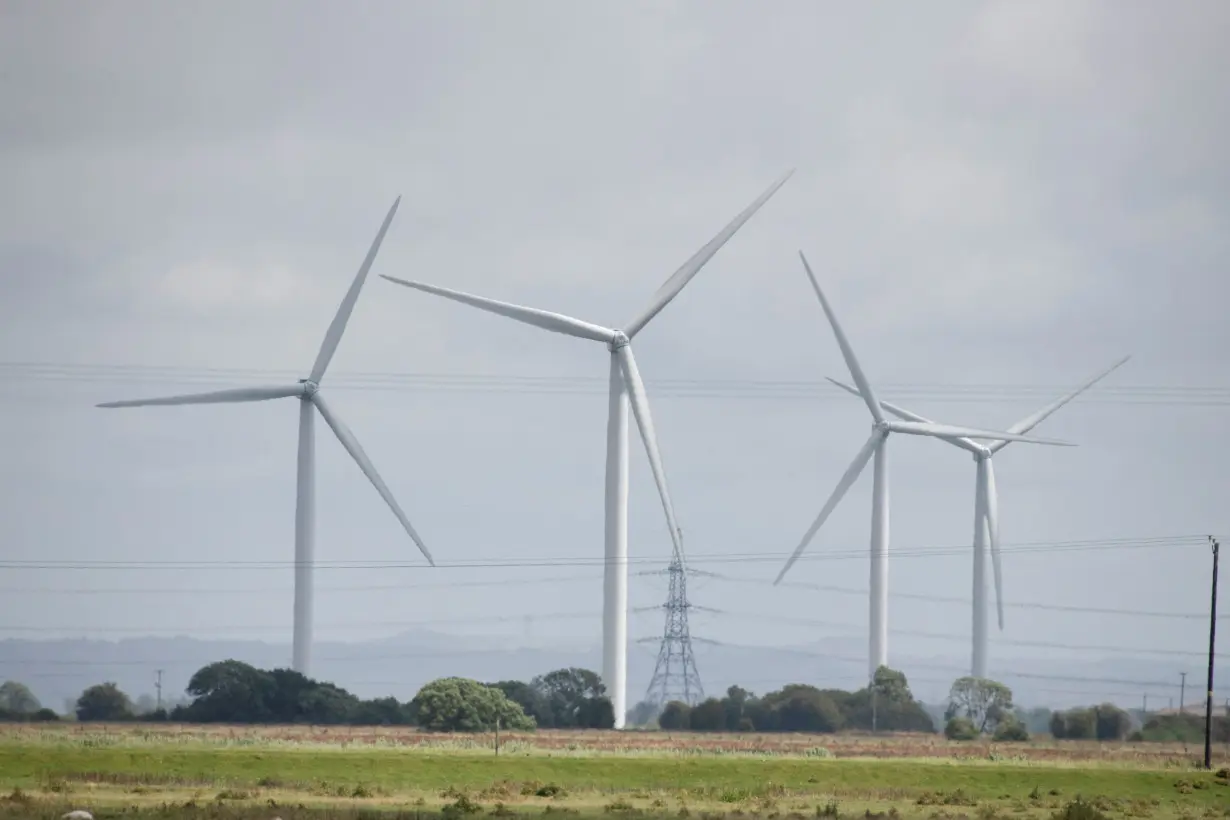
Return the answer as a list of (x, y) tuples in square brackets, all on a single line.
[(250, 775)]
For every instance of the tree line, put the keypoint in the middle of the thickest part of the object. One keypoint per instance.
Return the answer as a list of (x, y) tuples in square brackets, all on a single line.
[(885, 705), (231, 691)]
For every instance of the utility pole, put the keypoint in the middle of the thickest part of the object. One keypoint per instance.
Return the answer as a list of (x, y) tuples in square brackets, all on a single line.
[(158, 689), (1182, 690), (1144, 707), (1208, 701)]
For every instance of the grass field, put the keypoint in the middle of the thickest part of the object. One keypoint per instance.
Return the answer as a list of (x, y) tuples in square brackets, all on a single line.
[(290, 772)]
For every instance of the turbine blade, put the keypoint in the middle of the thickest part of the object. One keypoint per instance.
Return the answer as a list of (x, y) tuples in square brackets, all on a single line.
[(860, 379), (670, 289), (847, 480), (365, 464), (644, 421), (546, 320), (338, 326), (1030, 422), (902, 413), (950, 431), (232, 396), (992, 508)]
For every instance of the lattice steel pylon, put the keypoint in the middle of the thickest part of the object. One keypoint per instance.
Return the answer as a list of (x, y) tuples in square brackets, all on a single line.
[(675, 676)]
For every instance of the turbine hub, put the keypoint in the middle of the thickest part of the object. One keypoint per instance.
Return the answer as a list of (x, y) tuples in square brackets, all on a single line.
[(880, 426), (982, 455), (309, 388), (621, 340)]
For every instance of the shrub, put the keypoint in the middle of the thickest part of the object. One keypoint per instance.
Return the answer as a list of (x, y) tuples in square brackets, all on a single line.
[(1012, 731), (960, 728), (675, 715)]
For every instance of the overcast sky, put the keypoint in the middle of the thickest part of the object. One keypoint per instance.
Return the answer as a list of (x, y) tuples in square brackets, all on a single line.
[(1001, 199)]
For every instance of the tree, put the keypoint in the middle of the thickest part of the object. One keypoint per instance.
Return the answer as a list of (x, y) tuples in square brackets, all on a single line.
[(324, 703), (798, 707), (230, 691), (736, 701), (983, 701), (532, 701), (596, 713), (1111, 722), (807, 712), (381, 712), (1074, 724), (675, 715), (894, 708), (1104, 722), (16, 698), (464, 705), (104, 701), (891, 686), (568, 693), (708, 716)]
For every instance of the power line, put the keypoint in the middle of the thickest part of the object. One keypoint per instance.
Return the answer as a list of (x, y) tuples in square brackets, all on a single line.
[(266, 590), (557, 579), (1168, 542), (1206, 395), (590, 615), (946, 599), (916, 633)]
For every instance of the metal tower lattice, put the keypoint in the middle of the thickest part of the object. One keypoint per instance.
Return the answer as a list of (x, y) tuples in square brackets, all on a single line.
[(675, 676)]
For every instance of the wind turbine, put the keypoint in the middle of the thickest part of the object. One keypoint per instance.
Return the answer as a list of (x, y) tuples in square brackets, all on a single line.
[(986, 508), (310, 401), (625, 383), (877, 445)]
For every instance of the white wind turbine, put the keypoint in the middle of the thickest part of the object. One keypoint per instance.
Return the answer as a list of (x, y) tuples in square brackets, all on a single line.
[(877, 446), (986, 509), (625, 383), (310, 400)]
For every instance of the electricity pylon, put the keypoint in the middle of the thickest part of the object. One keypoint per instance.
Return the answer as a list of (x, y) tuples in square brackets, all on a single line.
[(675, 676)]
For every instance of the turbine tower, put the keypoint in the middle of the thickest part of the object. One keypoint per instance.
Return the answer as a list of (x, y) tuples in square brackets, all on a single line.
[(310, 402), (675, 676), (986, 509), (624, 384), (877, 445)]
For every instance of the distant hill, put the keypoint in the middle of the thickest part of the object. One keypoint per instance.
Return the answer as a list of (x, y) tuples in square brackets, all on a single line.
[(58, 670)]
